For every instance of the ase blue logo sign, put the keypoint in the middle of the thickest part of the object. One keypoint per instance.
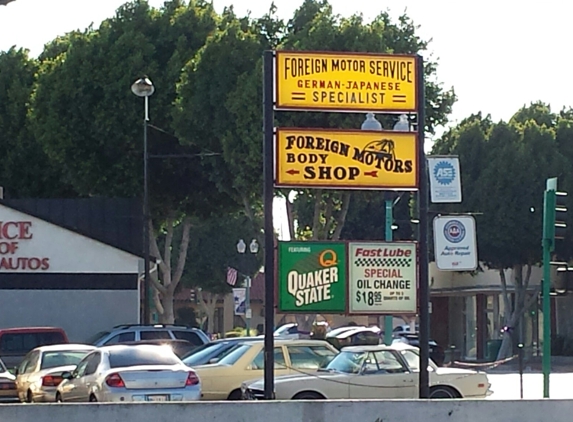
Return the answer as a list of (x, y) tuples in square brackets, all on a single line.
[(444, 172), (454, 231)]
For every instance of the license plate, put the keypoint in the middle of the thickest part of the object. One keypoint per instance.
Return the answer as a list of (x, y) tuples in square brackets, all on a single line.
[(158, 398)]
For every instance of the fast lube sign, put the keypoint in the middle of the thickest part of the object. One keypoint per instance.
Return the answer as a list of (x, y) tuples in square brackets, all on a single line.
[(312, 277)]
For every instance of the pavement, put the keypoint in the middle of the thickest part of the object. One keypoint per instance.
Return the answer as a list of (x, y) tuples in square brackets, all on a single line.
[(506, 386)]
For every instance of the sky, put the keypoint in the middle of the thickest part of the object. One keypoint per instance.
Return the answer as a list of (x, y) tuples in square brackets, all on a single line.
[(498, 55)]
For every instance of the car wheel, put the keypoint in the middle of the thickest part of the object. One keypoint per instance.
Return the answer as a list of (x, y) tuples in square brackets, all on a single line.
[(93, 399), (29, 397), (235, 395), (59, 398), (308, 395), (443, 392)]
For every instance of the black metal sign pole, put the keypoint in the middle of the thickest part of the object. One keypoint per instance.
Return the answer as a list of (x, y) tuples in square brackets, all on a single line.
[(268, 193), (424, 258)]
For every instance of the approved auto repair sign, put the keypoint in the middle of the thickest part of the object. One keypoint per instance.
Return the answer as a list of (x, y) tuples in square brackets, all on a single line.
[(382, 278)]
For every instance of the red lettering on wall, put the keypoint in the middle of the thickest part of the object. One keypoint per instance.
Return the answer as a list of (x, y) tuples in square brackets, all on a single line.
[(11, 230)]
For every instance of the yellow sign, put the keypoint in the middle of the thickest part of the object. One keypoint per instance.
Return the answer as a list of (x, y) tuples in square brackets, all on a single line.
[(344, 81), (351, 159)]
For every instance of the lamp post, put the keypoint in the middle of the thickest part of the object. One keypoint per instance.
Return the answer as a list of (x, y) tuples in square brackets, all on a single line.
[(143, 87), (242, 248), (372, 124)]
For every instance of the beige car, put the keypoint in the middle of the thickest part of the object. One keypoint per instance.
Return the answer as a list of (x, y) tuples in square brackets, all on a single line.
[(375, 372), (222, 381), (40, 372)]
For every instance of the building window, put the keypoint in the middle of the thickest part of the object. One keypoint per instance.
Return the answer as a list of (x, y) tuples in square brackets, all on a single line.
[(470, 332)]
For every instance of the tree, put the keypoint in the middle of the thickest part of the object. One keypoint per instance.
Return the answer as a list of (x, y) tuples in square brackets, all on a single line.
[(26, 170), (89, 123), (226, 100), (504, 167), (212, 249)]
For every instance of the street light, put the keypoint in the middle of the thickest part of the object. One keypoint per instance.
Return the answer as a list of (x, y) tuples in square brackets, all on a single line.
[(143, 87), (242, 248)]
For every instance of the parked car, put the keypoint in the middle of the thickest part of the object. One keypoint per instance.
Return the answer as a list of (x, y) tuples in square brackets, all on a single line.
[(358, 336), (337, 331), (136, 373), (134, 332), (15, 343), (8, 393), (437, 352), (374, 372), (214, 351), (40, 372), (405, 328), (179, 347), (222, 380), (291, 331)]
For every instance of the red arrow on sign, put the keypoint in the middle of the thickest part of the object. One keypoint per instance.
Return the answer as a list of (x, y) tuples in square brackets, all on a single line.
[(372, 173), (292, 172)]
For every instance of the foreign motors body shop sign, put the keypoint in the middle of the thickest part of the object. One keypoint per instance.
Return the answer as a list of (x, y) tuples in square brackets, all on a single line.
[(312, 277), (336, 159), (332, 81), (382, 278)]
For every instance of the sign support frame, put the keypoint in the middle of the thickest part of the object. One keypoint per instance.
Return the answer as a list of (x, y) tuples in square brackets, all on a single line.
[(424, 256), (268, 194)]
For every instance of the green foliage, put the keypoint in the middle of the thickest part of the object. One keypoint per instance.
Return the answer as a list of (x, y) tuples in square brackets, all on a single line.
[(504, 167), (213, 247), (89, 122), (220, 95), (366, 218), (25, 171)]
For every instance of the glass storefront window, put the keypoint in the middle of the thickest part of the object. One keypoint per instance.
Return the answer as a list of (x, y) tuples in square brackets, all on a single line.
[(470, 340)]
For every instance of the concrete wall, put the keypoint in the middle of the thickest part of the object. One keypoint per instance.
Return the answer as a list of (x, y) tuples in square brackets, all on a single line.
[(294, 411), (81, 313)]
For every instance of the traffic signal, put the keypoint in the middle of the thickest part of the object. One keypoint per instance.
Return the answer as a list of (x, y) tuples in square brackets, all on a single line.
[(560, 215), (554, 214)]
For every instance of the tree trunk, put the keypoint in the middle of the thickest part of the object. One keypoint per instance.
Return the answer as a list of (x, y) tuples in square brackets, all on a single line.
[(168, 315), (305, 323), (208, 302), (522, 303)]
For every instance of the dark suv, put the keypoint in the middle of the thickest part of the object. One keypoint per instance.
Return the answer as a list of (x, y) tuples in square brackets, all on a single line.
[(130, 333)]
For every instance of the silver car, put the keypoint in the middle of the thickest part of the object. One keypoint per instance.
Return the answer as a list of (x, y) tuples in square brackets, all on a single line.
[(41, 370), (130, 373)]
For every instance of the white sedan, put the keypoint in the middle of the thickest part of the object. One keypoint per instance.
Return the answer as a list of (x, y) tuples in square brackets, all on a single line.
[(374, 372)]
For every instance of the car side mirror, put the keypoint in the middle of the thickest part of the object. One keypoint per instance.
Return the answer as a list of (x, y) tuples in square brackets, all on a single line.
[(15, 370), (68, 375), (214, 360)]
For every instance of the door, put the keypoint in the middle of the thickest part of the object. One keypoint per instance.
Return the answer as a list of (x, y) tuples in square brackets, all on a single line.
[(383, 376), (25, 370), (71, 390), (257, 366), (88, 380), (26, 373)]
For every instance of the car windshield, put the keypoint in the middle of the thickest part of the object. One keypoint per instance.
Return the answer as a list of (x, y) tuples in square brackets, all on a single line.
[(136, 356), (96, 337), (62, 358), (347, 362), (234, 354), (206, 354), (199, 349), (412, 357)]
